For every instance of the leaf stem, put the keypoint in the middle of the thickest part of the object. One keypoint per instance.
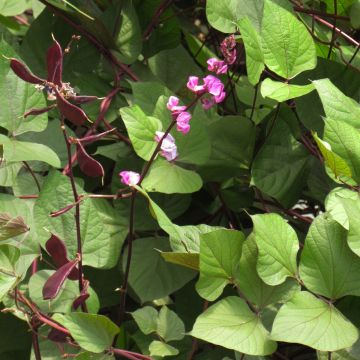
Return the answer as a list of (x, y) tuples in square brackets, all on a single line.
[(32, 174)]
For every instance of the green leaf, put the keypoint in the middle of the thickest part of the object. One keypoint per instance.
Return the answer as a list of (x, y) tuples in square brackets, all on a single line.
[(278, 246), (9, 256), (147, 93), (169, 326), (337, 105), (173, 67), (344, 140), (150, 276), (336, 164), (309, 321), (335, 207), (92, 332), (102, 231), (231, 324), (280, 91), (129, 39), (328, 267), (13, 7), (184, 259), (251, 284), (279, 167), (168, 178), (146, 319), (287, 45), (11, 226), (17, 97), (8, 172), (182, 238), (198, 49), (254, 56), (232, 142), (158, 348), (355, 15), (15, 151), (220, 253), (224, 15), (141, 130), (352, 208)]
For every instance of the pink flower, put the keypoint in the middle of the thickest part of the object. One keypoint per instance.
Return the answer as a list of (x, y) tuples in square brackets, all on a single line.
[(130, 178), (207, 103), (220, 98), (213, 85), (231, 57), (193, 85), (217, 66), (228, 49), (168, 146), (182, 122), (173, 103)]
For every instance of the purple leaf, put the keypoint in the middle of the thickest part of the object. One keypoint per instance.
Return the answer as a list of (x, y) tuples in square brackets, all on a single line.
[(57, 336), (70, 111), (57, 250), (84, 295), (38, 111), (55, 281), (24, 73), (54, 60), (83, 99), (88, 165)]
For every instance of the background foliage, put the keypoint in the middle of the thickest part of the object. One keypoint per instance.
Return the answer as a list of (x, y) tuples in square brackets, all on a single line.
[(245, 246)]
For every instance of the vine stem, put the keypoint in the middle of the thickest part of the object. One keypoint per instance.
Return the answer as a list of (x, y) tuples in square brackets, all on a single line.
[(77, 212), (124, 286), (254, 101), (36, 347), (333, 35), (162, 7)]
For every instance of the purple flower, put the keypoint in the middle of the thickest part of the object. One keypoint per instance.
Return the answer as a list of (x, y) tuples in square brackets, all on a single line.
[(168, 146), (193, 85), (220, 98), (173, 103), (130, 178), (228, 49), (207, 103), (217, 66), (182, 122), (213, 85)]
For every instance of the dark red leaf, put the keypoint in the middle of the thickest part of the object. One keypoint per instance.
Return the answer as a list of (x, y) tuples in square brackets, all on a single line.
[(38, 111), (56, 280), (88, 165), (54, 62), (84, 295), (83, 99), (57, 250), (24, 73), (57, 336), (70, 111)]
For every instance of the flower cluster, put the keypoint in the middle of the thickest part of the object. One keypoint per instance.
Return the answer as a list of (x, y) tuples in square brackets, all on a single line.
[(178, 112), (228, 49), (211, 85), (217, 66)]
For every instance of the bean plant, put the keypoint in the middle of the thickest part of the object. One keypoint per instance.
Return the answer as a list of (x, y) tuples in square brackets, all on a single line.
[(179, 179)]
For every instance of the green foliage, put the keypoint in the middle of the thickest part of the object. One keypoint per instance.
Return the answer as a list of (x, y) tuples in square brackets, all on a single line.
[(235, 237)]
